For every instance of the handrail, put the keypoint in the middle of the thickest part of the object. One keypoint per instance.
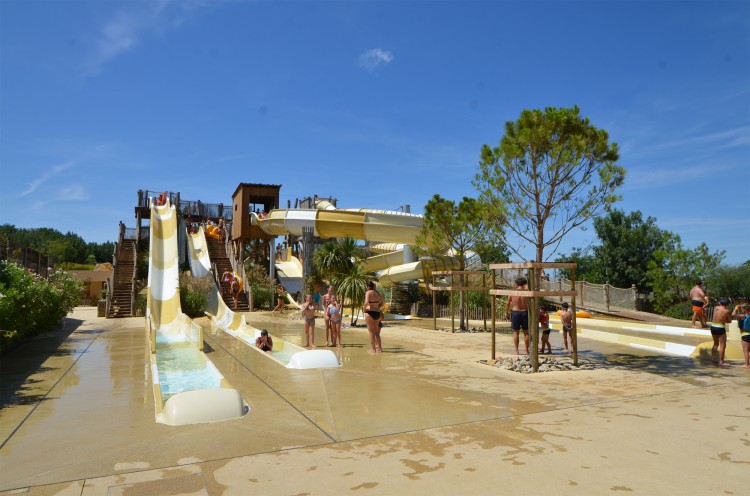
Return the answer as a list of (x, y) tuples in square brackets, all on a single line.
[(133, 279)]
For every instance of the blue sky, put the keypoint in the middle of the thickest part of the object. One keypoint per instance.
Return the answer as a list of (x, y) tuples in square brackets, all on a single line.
[(378, 103)]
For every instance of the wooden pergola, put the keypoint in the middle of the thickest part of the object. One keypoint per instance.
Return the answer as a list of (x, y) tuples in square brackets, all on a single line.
[(435, 287), (533, 293)]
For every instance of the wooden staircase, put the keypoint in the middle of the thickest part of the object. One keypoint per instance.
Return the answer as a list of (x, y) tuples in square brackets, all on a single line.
[(122, 303), (218, 254)]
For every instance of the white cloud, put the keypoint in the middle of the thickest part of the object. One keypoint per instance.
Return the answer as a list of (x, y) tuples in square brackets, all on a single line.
[(134, 22), (46, 176), (371, 59)]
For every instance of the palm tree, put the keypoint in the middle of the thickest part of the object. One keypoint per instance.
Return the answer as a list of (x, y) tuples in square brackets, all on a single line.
[(352, 285), (339, 261)]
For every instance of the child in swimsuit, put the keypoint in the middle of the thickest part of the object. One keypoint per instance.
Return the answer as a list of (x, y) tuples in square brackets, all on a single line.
[(566, 317), (544, 325), (721, 318), (308, 313), (745, 333), (264, 342), (333, 312)]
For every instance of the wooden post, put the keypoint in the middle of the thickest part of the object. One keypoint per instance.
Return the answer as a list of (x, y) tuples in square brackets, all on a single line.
[(494, 314), (453, 312), (434, 304), (533, 325), (574, 330), (484, 307)]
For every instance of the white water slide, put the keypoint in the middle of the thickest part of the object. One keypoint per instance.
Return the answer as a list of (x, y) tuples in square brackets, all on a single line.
[(284, 352), (393, 232), (187, 387)]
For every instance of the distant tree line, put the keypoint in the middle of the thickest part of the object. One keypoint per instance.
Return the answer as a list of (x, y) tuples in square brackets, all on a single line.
[(61, 248), (632, 250)]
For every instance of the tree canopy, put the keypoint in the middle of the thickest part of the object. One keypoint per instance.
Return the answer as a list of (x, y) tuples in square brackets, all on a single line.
[(60, 247), (456, 229), (627, 243), (553, 171)]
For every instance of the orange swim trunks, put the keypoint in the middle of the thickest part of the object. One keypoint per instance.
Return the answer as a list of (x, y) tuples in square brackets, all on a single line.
[(697, 306)]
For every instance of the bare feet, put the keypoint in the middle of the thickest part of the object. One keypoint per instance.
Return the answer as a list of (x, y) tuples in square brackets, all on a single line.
[(371, 351)]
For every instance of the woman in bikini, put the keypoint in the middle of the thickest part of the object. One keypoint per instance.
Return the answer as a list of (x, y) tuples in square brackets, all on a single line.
[(373, 303), (279, 299), (333, 312), (308, 313)]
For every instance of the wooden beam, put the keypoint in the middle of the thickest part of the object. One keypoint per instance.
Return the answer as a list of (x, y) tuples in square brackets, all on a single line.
[(457, 288), (452, 272), (522, 292), (534, 265)]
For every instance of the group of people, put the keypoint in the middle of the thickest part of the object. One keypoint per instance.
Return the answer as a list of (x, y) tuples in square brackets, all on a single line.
[(721, 318), (517, 311), (231, 282), (332, 316)]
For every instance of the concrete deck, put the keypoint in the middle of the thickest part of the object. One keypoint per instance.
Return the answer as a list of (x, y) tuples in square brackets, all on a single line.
[(77, 418)]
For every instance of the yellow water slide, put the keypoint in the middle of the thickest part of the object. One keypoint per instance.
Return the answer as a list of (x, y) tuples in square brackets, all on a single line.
[(397, 229), (173, 333), (234, 324)]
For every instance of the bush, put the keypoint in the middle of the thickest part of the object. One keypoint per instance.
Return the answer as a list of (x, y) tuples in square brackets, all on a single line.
[(682, 311), (140, 305), (30, 304), (193, 292), (262, 296)]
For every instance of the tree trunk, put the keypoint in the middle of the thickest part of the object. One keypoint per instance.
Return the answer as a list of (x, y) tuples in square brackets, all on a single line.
[(400, 302)]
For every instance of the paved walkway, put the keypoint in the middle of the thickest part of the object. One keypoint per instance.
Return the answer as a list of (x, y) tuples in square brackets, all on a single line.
[(424, 417)]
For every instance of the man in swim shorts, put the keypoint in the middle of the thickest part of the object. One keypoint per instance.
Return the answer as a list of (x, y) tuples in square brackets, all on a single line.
[(721, 318), (698, 300), (517, 310)]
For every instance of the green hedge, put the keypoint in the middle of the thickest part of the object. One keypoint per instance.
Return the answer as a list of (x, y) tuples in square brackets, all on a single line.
[(682, 311), (30, 304)]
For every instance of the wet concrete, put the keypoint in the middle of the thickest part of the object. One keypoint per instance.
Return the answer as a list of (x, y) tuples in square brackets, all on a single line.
[(77, 417)]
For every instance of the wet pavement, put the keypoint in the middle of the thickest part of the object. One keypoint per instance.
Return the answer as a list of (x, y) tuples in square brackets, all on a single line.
[(424, 417)]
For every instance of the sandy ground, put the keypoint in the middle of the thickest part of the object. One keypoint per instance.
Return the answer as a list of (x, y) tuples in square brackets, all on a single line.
[(424, 417)]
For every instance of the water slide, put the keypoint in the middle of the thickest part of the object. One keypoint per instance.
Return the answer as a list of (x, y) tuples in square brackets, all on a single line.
[(188, 388), (234, 324), (386, 227)]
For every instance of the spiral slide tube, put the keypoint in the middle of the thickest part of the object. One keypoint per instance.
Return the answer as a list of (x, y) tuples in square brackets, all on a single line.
[(234, 324), (384, 226), (173, 333)]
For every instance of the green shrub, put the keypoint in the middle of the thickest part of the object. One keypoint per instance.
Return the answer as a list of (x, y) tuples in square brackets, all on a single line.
[(682, 311), (262, 296), (193, 292), (140, 305), (193, 303), (30, 304)]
